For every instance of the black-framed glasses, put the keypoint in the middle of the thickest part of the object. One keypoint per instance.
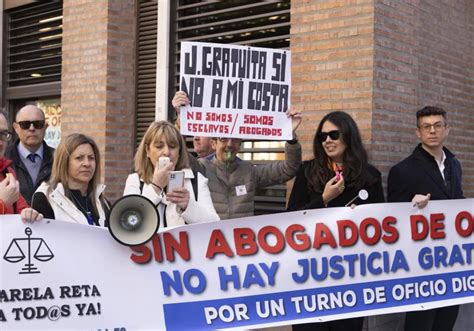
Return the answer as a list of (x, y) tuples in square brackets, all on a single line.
[(334, 135), (5, 136), (437, 126), (25, 125)]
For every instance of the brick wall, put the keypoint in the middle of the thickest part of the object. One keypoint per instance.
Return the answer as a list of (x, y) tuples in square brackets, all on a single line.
[(381, 61), (424, 55), (332, 61), (98, 81)]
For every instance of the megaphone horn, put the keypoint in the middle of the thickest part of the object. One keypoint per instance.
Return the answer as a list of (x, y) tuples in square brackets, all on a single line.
[(133, 220)]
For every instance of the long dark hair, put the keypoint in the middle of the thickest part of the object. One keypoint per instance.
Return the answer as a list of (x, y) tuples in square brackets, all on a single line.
[(354, 158)]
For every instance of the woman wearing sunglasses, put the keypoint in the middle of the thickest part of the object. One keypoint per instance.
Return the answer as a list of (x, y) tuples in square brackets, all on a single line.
[(333, 178)]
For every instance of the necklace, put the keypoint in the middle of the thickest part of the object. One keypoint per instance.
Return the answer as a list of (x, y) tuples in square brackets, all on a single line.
[(83, 205)]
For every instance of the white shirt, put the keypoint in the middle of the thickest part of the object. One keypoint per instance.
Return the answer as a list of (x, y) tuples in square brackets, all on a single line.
[(441, 165), (24, 152)]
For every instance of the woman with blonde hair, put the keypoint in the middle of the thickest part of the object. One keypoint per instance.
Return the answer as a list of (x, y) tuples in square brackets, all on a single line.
[(190, 203), (73, 192)]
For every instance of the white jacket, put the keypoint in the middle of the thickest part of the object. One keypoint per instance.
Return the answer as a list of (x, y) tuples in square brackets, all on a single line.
[(197, 211), (65, 210)]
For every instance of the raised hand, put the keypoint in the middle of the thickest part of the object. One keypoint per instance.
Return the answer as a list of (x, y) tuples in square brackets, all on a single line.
[(180, 99), (334, 187), (296, 119), (9, 190), (160, 176)]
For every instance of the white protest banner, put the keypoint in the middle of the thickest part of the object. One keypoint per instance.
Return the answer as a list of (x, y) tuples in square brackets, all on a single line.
[(235, 91), (287, 268), (59, 275)]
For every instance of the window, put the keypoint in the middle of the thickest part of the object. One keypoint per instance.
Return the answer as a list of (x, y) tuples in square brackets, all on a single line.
[(34, 41)]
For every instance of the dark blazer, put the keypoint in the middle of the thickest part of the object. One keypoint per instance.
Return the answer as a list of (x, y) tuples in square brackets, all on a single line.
[(302, 197), (27, 187), (419, 174)]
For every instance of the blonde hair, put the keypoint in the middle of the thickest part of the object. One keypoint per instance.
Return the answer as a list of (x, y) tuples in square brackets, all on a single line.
[(171, 135), (60, 173)]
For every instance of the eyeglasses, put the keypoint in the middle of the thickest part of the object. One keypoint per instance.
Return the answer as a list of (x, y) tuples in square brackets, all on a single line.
[(427, 127), (5, 136), (25, 125), (334, 135)]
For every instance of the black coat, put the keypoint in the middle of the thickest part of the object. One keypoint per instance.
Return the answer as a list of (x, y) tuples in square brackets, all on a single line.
[(302, 197), (27, 187), (419, 174)]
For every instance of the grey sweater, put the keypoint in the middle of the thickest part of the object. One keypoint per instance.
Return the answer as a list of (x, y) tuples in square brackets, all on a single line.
[(233, 187)]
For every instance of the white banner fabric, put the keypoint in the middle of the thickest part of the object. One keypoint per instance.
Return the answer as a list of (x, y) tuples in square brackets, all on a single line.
[(287, 268)]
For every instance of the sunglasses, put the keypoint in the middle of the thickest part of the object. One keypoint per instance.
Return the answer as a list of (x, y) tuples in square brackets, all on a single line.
[(5, 136), (334, 135), (25, 125)]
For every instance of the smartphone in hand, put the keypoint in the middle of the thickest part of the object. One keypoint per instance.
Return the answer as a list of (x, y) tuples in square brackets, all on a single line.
[(176, 180)]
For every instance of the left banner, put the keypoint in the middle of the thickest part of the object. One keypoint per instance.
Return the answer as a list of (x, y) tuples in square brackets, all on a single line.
[(58, 275)]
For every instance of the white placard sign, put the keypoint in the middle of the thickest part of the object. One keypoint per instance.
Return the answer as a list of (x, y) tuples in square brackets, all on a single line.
[(235, 91), (254, 272)]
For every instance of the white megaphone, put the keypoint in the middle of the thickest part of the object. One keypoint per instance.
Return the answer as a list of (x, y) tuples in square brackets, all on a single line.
[(133, 220)]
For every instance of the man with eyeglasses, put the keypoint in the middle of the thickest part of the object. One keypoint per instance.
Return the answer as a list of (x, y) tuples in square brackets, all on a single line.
[(431, 172), (32, 157), (11, 200), (233, 182)]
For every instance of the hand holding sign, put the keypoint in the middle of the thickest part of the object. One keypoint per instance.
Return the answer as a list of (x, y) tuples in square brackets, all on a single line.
[(180, 99), (421, 200), (296, 119), (29, 215)]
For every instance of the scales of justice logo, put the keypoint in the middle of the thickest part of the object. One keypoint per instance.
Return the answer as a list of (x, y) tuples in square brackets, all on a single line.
[(20, 246)]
